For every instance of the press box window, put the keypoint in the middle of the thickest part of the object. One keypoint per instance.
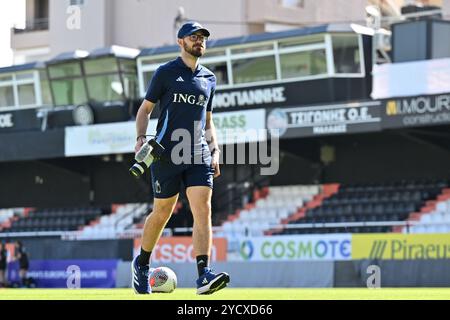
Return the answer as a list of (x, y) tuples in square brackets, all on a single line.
[(96, 66), (26, 94), (346, 54), (65, 70), (105, 88), (254, 69), (303, 64), (68, 92), (147, 78), (6, 96), (220, 70)]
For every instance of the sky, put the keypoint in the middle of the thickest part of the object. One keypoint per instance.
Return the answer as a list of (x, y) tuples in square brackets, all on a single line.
[(12, 12)]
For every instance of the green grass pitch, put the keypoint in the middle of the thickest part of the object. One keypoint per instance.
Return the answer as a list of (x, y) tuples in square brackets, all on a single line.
[(232, 294)]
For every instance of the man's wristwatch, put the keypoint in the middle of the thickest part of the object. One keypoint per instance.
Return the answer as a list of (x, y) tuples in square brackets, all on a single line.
[(141, 136)]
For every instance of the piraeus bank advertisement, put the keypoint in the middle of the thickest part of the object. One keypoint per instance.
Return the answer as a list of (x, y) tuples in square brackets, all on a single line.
[(392, 246)]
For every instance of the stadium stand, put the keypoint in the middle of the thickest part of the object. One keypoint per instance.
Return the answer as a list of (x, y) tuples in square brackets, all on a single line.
[(329, 208), (113, 225), (382, 202), (53, 219), (298, 209), (270, 207), (179, 223), (8, 215), (434, 217)]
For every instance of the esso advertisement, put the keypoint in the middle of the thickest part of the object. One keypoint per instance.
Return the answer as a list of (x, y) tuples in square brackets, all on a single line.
[(180, 249), (300, 248)]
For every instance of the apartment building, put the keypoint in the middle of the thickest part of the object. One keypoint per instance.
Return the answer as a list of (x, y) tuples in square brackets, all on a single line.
[(56, 26)]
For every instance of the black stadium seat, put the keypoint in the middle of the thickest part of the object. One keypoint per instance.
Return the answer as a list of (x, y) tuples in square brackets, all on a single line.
[(372, 202)]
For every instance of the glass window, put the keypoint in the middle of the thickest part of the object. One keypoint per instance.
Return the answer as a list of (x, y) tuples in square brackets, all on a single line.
[(288, 43), (69, 92), (146, 62), (45, 88), (128, 66), (220, 70), (147, 78), (302, 64), (346, 54), (253, 49), (130, 86), (6, 96), (26, 95), (105, 88), (104, 65), (213, 53), (254, 69), (24, 76), (5, 78), (65, 70)]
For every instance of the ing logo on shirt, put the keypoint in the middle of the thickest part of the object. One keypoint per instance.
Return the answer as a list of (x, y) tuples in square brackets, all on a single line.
[(189, 98)]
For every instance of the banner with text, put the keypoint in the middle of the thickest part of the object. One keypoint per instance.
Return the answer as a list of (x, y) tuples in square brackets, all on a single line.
[(68, 273), (326, 119), (391, 246), (295, 248), (19, 120), (180, 249), (120, 137), (417, 111), (424, 77)]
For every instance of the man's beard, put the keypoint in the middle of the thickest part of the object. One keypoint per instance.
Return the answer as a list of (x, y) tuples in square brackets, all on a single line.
[(194, 52)]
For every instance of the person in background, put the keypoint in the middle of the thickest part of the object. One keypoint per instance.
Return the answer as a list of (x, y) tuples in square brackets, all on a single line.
[(22, 257), (3, 263)]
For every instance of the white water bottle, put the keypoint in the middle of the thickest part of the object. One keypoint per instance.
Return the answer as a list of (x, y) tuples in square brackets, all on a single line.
[(143, 152)]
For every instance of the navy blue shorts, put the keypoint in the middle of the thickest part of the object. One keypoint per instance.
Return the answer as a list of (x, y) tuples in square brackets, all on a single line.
[(167, 177)]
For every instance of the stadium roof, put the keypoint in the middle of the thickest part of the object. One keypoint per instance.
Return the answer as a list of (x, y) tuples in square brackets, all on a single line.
[(71, 55), (326, 28), (131, 53), (115, 51), (22, 67)]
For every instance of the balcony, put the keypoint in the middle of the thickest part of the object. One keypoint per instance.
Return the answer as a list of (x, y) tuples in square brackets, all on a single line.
[(35, 35), (38, 24)]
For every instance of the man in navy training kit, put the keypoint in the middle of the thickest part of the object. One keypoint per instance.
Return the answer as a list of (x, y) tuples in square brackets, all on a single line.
[(185, 90)]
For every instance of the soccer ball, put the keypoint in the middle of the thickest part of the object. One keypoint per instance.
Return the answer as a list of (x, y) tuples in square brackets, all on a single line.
[(162, 279)]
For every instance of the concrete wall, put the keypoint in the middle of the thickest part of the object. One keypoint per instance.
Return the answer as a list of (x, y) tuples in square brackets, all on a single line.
[(311, 274), (90, 35), (394, 273), (312, 12), (151, 23), (446, 9), (250, 274)]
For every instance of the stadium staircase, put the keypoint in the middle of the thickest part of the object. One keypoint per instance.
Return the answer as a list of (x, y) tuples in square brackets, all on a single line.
[(112, 225), (270, 206), (433, 217)]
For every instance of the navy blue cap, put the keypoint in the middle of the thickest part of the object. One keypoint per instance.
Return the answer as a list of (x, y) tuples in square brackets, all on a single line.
[(190, 27)]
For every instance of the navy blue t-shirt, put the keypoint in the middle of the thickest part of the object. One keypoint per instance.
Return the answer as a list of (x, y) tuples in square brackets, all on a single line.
[(184, 98)]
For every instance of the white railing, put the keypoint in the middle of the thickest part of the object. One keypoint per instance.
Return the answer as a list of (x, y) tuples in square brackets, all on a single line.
[(135, 233)]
